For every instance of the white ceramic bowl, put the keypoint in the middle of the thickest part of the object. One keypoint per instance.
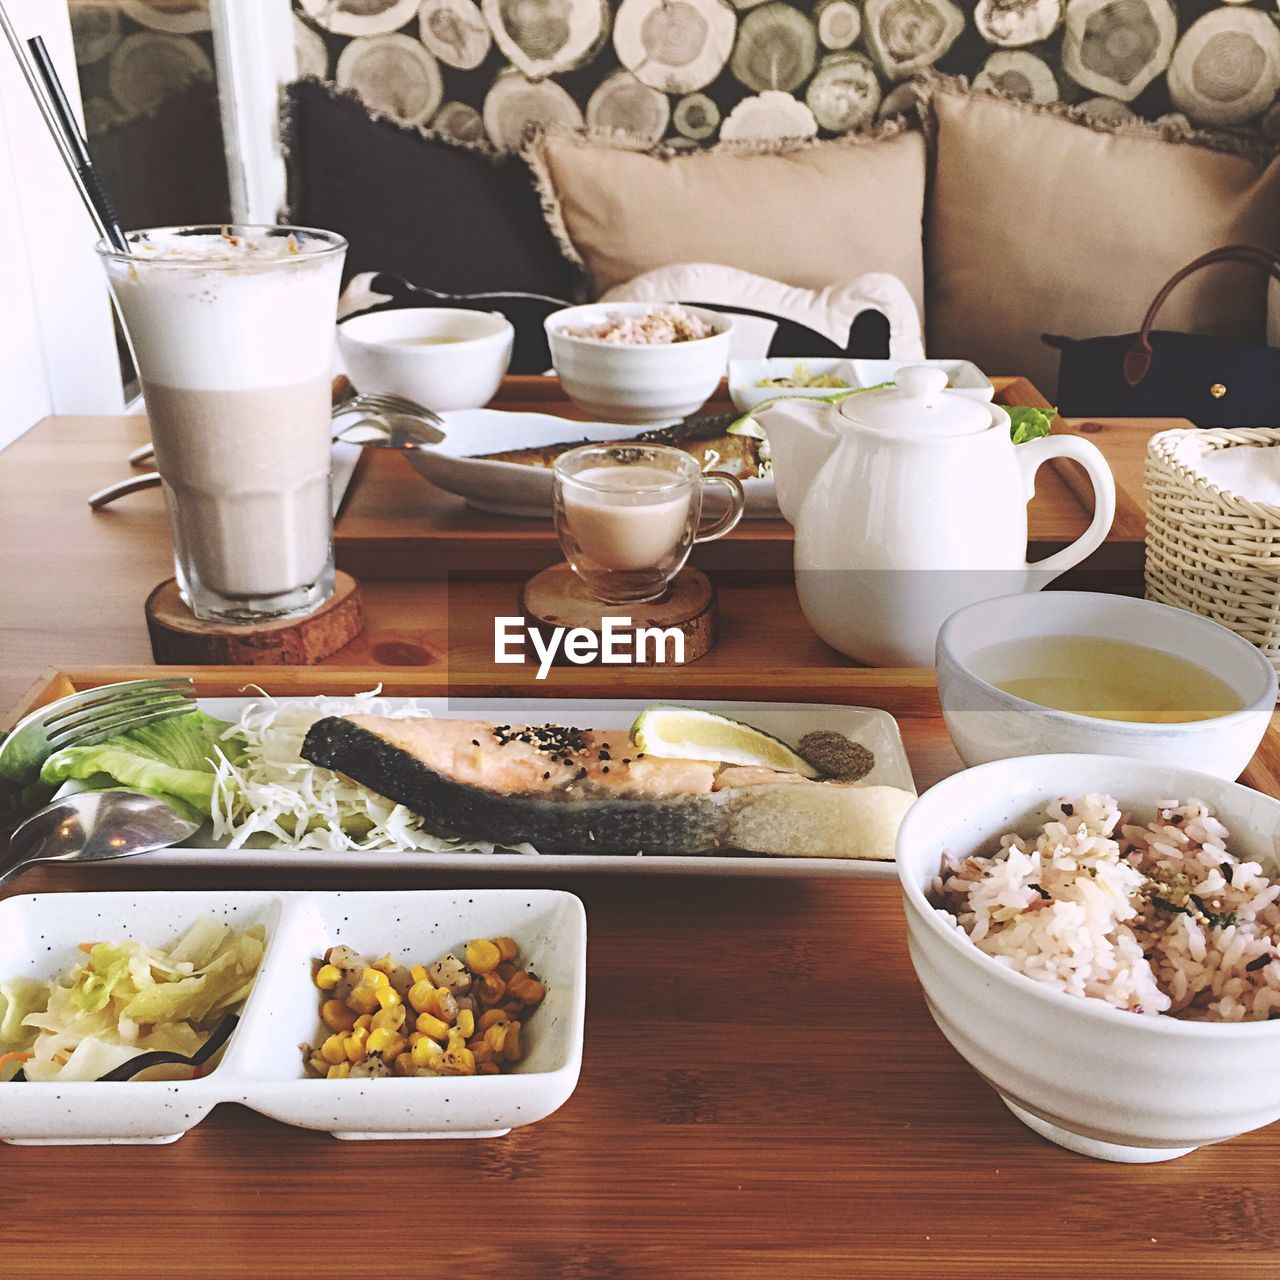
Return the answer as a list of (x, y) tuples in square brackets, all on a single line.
[(382, 353), (623, 382), (986, 723), (744, 375), (1092, 1078), (261, 1067)]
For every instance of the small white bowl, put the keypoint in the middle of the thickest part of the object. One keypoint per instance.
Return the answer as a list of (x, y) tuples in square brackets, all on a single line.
[(1092, 1078), (385, 351), (633, 383), (985, 723), (745, 374)]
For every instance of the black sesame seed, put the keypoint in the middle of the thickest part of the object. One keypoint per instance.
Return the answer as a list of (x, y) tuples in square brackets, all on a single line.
[(1068, 810), (605, 769), (1260, 963)]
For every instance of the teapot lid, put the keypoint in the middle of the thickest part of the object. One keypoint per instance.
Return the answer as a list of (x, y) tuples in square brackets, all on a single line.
[(919, 404)]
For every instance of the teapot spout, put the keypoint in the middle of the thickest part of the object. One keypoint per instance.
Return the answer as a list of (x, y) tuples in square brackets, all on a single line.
[(801, 438)]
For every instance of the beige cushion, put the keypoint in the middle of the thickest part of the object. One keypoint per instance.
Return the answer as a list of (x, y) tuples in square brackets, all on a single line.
[(808, 214), (1040, 224)]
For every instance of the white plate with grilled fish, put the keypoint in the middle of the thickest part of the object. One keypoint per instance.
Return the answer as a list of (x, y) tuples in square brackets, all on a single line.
[(486, 785), (501, 462)]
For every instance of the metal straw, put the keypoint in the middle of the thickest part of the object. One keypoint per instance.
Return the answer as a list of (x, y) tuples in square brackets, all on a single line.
[(54, 107)]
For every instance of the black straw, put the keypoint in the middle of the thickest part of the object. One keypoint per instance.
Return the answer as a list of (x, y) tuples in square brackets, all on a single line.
[(104, 218), (77, 149)]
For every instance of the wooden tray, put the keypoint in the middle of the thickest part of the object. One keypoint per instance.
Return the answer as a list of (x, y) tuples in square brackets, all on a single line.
[(862, 1145), (396, 524)]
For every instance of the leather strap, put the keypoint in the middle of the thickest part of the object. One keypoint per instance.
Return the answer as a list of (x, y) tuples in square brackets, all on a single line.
[(1137, 360)]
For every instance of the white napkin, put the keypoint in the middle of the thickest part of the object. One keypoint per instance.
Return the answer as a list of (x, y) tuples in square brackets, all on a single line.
[(1248, 471)]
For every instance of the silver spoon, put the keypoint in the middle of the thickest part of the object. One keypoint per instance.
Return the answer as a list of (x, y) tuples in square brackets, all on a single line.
[(94, 826), (381, 430)]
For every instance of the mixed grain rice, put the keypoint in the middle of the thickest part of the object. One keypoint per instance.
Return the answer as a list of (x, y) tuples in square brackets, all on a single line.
[(1153, 919), (666, 325)]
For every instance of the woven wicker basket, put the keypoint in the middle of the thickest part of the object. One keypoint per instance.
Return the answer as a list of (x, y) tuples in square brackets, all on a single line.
[(1208, 549)]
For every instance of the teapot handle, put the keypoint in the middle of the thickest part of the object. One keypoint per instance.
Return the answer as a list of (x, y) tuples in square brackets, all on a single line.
[(1030, 457)]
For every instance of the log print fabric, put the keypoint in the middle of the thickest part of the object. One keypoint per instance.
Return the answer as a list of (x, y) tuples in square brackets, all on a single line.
[(698, 70)]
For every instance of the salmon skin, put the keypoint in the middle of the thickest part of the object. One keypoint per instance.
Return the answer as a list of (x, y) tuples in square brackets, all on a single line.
[(704, 437), (587, 791)]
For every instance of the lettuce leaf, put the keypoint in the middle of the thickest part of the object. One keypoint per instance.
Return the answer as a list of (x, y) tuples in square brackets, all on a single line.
[(98, 979), (18, 998), (1026, 422), (175, 759)]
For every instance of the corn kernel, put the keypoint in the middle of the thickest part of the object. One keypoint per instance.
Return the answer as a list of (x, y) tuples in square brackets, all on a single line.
[(365, 1021), (458, 1062), (496, 1037), (481, 1050), (328, 976), (339, 1071), (388, 997), (507, 948), (466, 1022), (363, 998), (379, 1040), (334, 1049), (336, 1016), (391, 1019), (422, 995), (354, 1045), (482, 956), (404, 1065), (374, 978), (490, 1018), (513, 1050), (424, 1051), (418, 973), (384, 965), (489, 989), (526, 989), (432, 1027)]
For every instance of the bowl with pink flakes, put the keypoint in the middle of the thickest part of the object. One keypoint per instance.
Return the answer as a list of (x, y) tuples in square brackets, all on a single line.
[(637, 362)]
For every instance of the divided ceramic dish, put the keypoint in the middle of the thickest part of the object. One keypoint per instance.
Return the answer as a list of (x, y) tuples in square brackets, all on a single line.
[(262, 1067), (790, 721), (513, 488)]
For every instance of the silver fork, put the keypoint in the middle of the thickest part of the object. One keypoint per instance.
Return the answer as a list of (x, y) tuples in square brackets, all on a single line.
[(371, 402), (83, 719)]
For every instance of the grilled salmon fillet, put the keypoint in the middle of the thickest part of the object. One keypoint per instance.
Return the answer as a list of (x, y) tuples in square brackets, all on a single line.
[(568, 790)]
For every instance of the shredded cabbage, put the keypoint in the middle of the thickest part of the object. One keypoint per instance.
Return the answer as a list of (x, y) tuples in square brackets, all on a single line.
[(270, 795), (124, 999)]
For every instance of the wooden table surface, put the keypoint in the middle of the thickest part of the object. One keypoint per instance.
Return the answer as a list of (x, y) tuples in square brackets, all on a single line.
[(763, 1091)]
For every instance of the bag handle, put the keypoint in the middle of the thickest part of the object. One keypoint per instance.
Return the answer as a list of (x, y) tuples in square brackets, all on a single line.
[(1137, 360)]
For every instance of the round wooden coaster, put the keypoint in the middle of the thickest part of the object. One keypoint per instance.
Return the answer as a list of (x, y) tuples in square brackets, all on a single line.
[(178, 637), (557, 597)]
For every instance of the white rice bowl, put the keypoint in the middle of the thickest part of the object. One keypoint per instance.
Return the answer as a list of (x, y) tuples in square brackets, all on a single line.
[(1068, 1016)]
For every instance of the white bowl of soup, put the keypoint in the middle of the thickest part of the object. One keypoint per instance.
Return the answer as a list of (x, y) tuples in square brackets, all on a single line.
[(1075, 671), (444, 358)]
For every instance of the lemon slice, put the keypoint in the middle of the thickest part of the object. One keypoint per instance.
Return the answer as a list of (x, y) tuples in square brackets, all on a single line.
[(686, 733)]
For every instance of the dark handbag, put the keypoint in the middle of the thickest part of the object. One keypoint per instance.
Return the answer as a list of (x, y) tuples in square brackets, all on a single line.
[(1215, 382)]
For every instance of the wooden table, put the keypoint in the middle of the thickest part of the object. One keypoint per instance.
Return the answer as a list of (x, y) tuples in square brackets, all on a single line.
[(763, 1092)]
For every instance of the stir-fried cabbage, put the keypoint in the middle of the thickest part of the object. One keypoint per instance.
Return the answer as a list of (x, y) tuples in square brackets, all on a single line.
[(124, 999), (269, 794)]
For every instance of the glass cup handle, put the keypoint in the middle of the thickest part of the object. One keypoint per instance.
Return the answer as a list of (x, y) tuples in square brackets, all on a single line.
[(737, 503)]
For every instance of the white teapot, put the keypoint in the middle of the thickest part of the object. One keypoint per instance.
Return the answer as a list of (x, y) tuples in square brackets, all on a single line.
[(908, 503)]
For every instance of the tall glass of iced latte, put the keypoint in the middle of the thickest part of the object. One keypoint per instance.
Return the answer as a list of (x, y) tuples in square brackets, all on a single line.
[(232, 333)]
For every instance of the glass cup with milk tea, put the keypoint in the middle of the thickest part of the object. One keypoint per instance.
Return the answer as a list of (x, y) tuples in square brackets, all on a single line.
[(628, 515), (232, 331)]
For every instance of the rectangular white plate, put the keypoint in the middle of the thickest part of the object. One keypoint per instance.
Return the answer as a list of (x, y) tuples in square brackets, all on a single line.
[(262, 1066), (789, 721)]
